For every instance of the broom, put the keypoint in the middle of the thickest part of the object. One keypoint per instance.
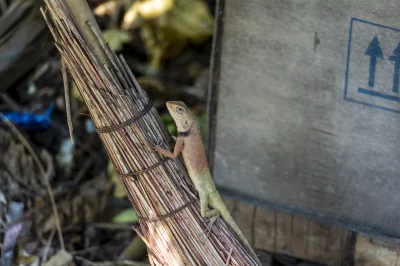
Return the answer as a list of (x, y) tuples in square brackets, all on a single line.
[(159, 188)]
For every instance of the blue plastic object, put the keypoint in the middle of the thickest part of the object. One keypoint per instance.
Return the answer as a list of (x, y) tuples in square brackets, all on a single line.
[(31, 121)]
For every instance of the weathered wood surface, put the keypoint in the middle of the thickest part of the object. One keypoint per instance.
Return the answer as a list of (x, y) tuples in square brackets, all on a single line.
[(310, 240), (291, 235), (283, 131), (372, 252)]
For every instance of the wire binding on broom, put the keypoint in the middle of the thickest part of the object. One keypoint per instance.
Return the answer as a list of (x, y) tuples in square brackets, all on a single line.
[(167, 215), (128, 122), (134, 175)]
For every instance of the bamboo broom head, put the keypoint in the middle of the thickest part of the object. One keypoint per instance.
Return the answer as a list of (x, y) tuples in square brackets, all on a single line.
[(127, 123)]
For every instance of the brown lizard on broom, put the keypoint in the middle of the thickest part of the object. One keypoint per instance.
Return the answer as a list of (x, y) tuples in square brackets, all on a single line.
[(190, 143)]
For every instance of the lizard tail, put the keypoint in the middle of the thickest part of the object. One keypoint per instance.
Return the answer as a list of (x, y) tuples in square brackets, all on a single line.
[(229, 220)]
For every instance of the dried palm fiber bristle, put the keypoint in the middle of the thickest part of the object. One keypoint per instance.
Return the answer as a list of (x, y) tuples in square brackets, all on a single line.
[(127, 124)]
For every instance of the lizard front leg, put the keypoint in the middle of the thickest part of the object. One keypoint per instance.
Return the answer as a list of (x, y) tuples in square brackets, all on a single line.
[(177, 149)]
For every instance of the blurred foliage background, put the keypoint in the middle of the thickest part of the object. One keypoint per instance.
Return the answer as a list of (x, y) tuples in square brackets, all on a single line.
[(167, 44)]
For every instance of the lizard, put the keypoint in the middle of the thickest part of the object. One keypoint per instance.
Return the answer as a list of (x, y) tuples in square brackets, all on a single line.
[(190, 144)]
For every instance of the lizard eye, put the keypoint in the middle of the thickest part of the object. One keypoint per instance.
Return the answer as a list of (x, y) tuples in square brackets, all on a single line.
[(179, 110), (186, 122)]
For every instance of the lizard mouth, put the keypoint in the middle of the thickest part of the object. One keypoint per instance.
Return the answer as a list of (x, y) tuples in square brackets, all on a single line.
[(171, 105)]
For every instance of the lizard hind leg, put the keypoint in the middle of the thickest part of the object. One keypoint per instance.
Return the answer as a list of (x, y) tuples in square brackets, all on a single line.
[(204, 201), (213, 213), (211, 224)]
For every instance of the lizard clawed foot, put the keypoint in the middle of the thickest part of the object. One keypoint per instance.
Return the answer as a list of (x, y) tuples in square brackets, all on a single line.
[(213, 219), (174, 138), (153, 145)]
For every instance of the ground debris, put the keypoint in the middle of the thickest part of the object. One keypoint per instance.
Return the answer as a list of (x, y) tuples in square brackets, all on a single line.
[(62, 257)]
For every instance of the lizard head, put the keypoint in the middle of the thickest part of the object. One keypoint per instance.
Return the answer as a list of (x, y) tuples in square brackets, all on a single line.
[(181, 115)]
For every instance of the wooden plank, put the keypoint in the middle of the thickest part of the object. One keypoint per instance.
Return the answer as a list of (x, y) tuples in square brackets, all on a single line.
[(299, 239), (265, 238), (325, 237), (372, 252), (283, 135), (309, 240), (243, 213), (292, 235), (283, 233)]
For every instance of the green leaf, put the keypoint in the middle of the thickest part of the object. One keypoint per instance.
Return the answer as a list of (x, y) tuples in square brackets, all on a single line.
[(117, 38), (127, 216), (169, 122)]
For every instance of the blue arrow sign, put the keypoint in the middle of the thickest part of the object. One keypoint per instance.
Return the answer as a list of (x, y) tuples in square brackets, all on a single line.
[(396, 59), (374, 51)]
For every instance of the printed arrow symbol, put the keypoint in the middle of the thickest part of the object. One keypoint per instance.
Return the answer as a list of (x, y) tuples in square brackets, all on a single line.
[(395, 57), (374, 51)]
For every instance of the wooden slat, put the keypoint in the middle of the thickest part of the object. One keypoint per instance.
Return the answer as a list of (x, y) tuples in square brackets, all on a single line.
[(372, 252), (292, 235), (282, 233), (264, 239), (242, 213), (310, 240), (298, 243), (326, 238)]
